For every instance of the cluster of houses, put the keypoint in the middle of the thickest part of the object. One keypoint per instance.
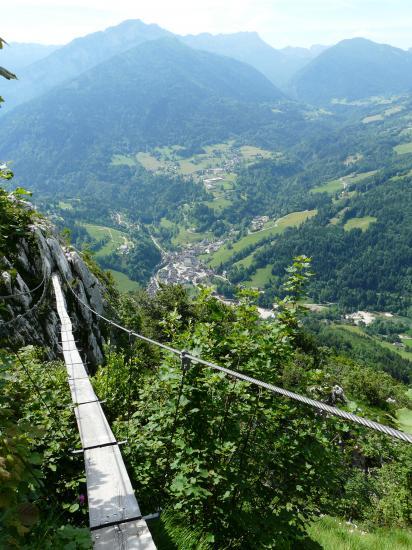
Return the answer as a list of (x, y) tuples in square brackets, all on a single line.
[(258, 223)]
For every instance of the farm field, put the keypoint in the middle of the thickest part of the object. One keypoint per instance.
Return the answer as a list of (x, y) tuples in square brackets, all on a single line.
[(403, 148), (114, 237), (249, 153), (186, 236), (65, 205), (215, 156), (359, 223), (388, 112), (333, 186), (123, 283), (260, 277), (372, 118), (219, 204), (395, 349), (272, 228), (404, 417)]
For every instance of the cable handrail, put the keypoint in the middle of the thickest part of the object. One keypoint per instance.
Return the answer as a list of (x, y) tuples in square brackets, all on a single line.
[(30, 291), (33, 308), (320, 405)]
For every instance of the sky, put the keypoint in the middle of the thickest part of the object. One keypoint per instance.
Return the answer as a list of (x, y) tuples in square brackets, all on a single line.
[(280, 22)]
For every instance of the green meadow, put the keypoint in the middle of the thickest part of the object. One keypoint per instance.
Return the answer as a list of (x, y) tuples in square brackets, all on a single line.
[(333, 186), (403, 148), (122, 281), (114, 237), (272, 229), (359, 223), (336, 534)]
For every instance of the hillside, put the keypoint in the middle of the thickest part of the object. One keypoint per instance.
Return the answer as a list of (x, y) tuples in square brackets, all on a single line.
[(353, 69), (159, 93), (167, 154), (78, 56)]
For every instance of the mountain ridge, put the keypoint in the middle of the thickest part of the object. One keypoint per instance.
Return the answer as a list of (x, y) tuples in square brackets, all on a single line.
[(353, 69), (150, 95)]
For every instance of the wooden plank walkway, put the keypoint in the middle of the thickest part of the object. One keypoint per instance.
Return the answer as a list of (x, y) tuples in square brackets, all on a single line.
[(114, 513)]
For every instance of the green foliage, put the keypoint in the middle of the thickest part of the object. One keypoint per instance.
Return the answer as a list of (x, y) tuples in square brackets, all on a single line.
[(360, 348), (381, 498), (213, 451), (379, 69), (233, 466), (338, 534), (365, 269), (40, 479), (16, 214), (5, 74)]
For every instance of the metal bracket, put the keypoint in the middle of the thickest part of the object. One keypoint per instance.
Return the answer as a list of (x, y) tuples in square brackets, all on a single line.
[(114, 523), (186, 362), (110, 444)]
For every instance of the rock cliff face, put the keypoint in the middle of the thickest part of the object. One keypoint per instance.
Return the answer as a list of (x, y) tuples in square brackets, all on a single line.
[(29, 316)]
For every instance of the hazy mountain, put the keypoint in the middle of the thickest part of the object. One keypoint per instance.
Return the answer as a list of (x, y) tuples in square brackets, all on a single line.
[(354, 69), (161, 92), (277, 65), (18, 55), (304, 54), (76, 57)]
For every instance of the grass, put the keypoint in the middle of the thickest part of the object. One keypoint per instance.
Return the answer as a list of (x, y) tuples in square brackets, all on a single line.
[(338, 218), (293, 219), (123, 160), (167, 224), (388, 112), (377, 341), (359, 223), (65, 205), (246, 262), (219, 204), (403, 353), (116, 237), (186, 236), (333, 186), (404, 417), (335, 534), (260, 277), (148, 161), (249, 152), (123, 283), (372, 118), (403, 148)]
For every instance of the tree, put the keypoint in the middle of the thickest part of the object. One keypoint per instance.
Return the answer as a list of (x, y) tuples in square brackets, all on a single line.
[(4, 72)]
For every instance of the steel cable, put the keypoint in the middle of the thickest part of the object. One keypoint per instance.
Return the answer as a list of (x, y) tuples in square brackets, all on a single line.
[(30, 310), (274, 389), (26, 292)]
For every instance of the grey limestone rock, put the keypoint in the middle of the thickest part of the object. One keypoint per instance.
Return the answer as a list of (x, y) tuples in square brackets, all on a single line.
[(31, 318)]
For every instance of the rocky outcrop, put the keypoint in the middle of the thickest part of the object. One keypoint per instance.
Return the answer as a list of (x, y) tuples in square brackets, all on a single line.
[(27, 306)]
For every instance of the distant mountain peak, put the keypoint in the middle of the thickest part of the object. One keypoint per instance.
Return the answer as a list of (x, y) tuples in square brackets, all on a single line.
[(355, 68)]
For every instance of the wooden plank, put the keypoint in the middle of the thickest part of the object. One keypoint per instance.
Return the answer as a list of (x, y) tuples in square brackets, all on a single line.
[(82, 391), (134, 535), (93, 426), (110, 493), (76, 371)]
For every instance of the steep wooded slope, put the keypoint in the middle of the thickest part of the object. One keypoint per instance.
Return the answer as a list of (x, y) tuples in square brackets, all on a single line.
[(354, 69), (160, 93)]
